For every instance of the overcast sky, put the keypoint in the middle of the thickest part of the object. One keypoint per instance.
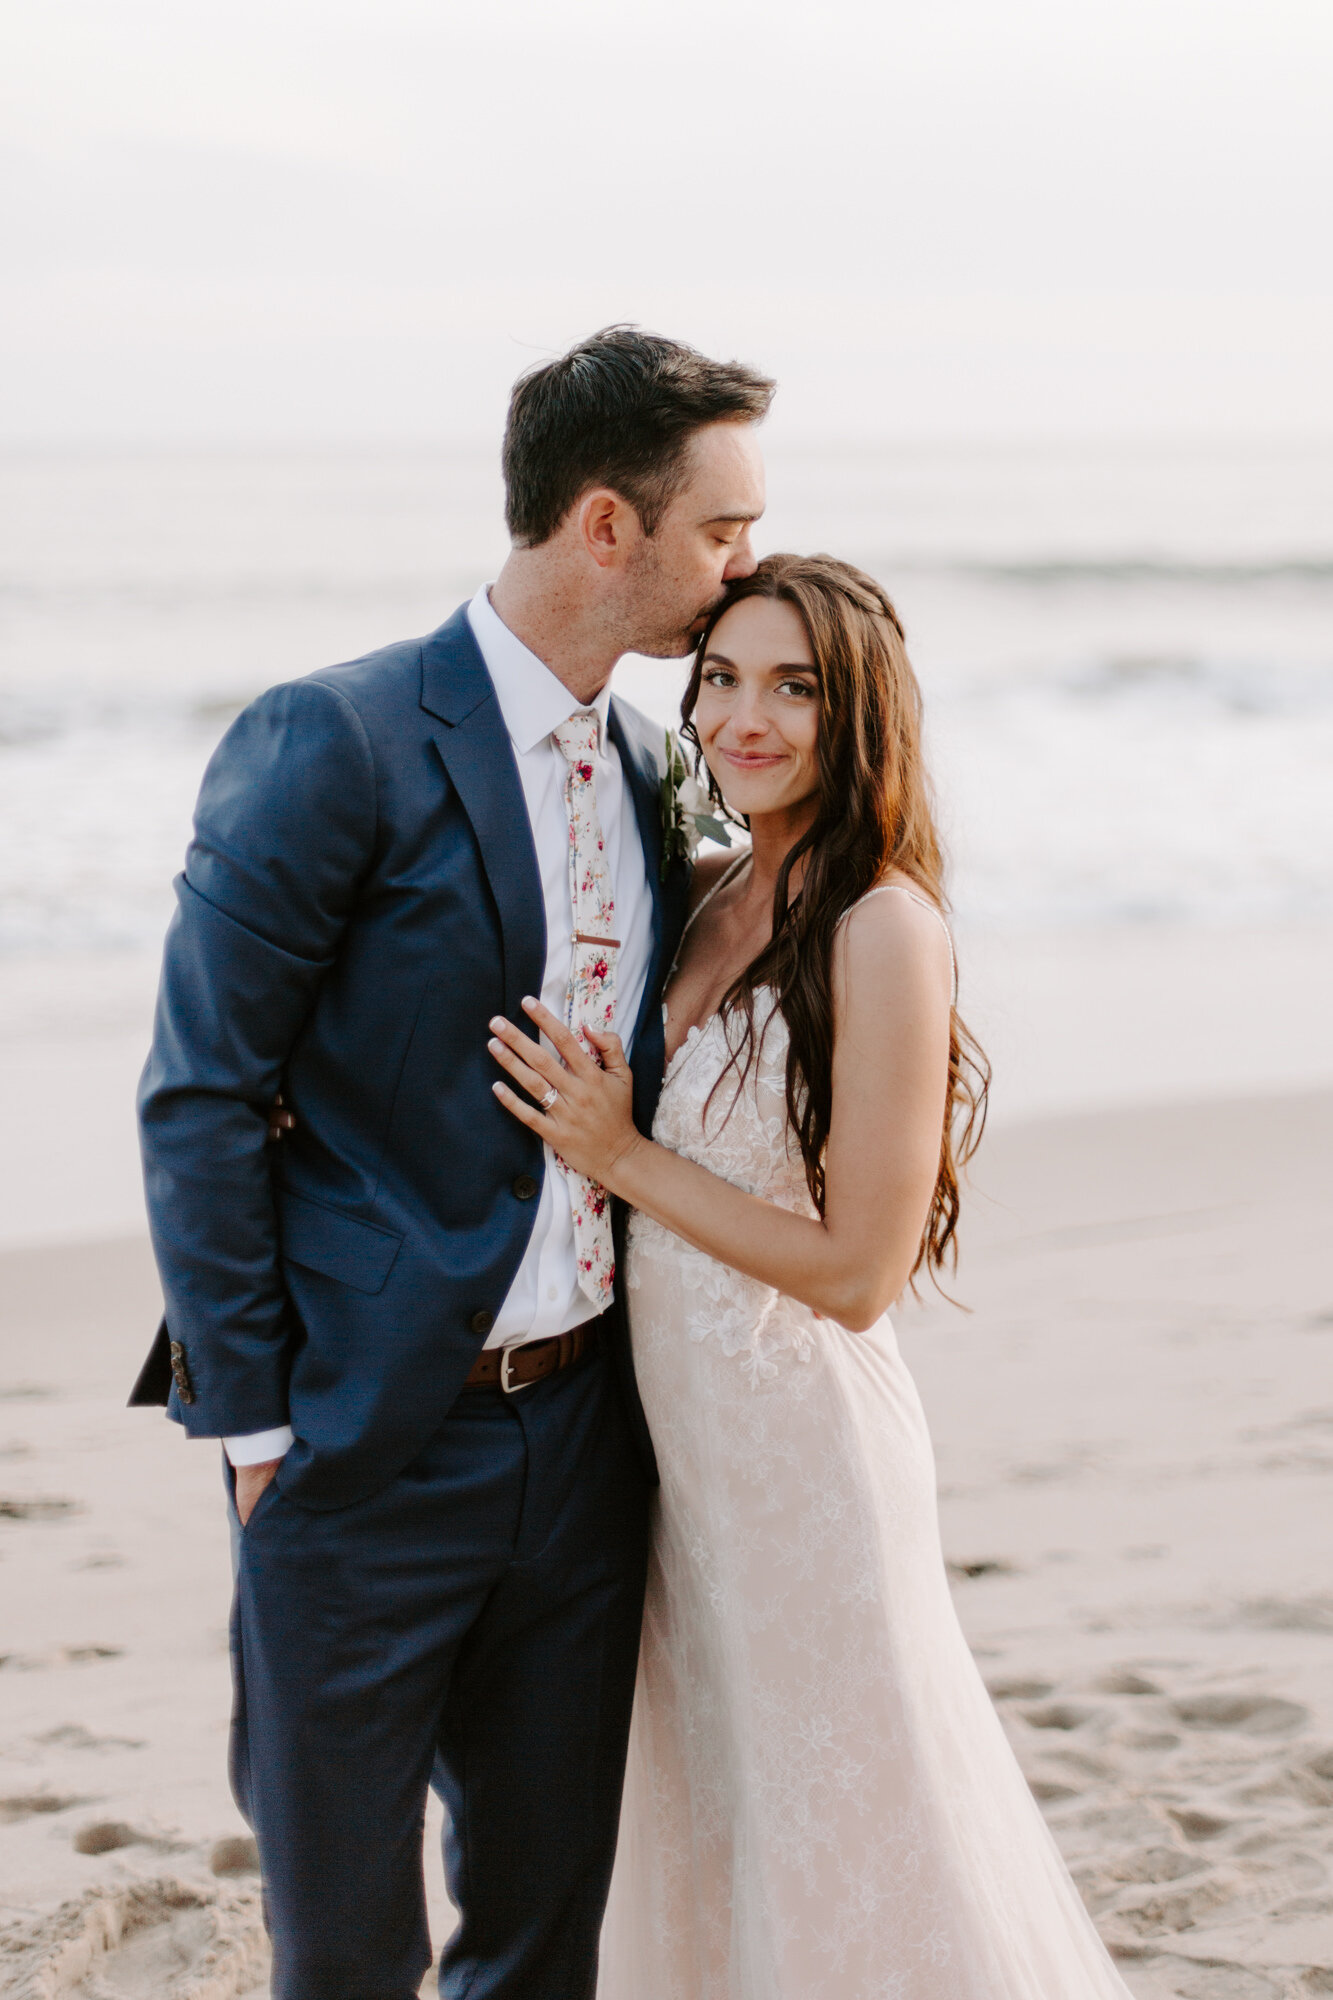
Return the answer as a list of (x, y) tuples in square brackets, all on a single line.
[(360, 218)]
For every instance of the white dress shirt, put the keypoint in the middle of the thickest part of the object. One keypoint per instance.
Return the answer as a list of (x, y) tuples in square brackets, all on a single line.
[(545, 1297)]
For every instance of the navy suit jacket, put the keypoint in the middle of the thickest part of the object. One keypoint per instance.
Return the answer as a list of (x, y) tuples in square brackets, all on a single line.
[(360, 897)]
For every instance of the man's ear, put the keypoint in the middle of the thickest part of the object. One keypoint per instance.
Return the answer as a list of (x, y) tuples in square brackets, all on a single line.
[(608, 526)]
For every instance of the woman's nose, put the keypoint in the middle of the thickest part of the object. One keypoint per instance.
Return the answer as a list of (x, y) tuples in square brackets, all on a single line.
[(748, 718)]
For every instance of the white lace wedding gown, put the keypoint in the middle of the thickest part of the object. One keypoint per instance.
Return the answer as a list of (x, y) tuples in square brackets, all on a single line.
[(820, 1802)]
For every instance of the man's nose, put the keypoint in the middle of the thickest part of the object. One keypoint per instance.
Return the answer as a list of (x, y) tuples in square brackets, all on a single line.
[(742, 561)]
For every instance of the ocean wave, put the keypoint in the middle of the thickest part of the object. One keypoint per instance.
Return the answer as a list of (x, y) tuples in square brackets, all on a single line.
[(1227, 573), (1145, 789), (1158, 679), (168, 595), (1155, 680), (29, 719)]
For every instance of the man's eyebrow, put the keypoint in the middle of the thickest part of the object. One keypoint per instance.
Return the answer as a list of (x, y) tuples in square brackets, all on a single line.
[(743, 519)]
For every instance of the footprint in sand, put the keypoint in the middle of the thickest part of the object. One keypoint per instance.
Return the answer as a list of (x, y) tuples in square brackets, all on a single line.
[(238, 1854), (26, 1805), (12, 1509), (104, 1836), (1102, 1882), (1051, 1791), (1178, 1979), (1151, 1911), (1286, 1614), (1310, 1781), (967, 1572), (1193, 1816), (1019, 1690), (73, 1736), (1199, 1825), (63, 1656), (158, 1940), (1155, 1864), (1123, 1680), (1253, 1714), (1059, 1715)]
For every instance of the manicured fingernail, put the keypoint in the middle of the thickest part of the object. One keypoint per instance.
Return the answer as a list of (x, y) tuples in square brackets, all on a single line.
[(497, 1023), (498, 1088), (530, 1003), (494, 1046)]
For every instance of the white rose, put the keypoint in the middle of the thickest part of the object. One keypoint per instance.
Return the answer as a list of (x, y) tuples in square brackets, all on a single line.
[(693, 798)]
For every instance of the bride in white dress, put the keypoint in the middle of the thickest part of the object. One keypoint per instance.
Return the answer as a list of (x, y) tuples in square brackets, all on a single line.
[(820, 1802)]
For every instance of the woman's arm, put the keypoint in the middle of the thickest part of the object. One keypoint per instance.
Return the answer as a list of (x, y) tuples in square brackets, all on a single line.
[(892, 993)]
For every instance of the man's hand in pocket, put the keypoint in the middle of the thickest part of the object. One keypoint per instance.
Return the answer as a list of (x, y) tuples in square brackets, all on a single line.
[(250, 1483)]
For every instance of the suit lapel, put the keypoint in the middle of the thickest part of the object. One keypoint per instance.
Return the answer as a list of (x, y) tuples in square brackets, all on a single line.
[(472, 741)]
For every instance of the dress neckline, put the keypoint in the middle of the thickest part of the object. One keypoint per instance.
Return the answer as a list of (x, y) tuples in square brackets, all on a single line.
[(694, 1034), (696, 1029)]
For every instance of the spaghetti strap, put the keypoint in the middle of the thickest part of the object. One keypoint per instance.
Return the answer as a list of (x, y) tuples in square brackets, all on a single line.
[(702, 904), (901, 889), (721, 883)]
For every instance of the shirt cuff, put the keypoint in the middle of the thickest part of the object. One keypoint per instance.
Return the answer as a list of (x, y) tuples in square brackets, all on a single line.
[(260, 1446)]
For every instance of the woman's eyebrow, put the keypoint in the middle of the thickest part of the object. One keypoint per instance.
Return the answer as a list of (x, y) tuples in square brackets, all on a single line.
[(795, 667)]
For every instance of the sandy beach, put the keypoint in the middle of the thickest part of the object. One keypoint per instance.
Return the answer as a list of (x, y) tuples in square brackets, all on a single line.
[(1135, 1443), (1050, 350)]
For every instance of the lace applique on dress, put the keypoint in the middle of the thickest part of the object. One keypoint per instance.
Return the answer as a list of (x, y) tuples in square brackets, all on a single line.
[(739, 1131)]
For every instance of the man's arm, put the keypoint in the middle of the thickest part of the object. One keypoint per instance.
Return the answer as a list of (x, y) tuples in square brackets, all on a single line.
[(284, 831)]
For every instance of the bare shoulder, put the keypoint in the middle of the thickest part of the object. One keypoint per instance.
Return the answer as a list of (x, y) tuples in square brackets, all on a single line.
[(709, 869), (895, 940)]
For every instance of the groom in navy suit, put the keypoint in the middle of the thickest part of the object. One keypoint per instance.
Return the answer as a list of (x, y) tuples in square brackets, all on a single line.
[(439, 1464)]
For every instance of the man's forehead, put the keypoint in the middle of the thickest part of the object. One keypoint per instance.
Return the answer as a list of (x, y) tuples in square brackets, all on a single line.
[(727, 473)]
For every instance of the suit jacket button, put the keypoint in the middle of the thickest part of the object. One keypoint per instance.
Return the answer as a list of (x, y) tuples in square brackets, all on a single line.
[(481, 1322), (180, 1372), (524, 1187)]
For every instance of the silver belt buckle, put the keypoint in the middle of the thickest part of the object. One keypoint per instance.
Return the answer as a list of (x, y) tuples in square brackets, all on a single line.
[(510, 1388)]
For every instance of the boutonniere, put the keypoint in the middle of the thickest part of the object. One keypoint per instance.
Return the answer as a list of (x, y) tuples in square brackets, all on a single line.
[(687, 811)]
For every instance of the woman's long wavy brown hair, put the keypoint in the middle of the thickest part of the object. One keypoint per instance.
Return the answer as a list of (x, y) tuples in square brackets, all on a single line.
[(874, 817)]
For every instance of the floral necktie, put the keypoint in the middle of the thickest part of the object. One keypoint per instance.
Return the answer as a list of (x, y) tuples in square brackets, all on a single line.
[(591, 1001)]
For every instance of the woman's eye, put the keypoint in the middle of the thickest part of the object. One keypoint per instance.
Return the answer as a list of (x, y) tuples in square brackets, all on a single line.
[(804, 689), (717, 677)]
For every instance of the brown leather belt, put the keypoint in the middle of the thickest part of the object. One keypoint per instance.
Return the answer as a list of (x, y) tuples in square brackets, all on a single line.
[(517, 1366)]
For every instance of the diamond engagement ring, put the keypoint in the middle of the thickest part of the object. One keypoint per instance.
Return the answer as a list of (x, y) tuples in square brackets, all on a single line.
[(552, 1097)]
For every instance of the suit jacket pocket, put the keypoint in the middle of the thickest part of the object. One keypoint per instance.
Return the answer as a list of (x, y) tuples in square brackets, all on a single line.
[(342, 1247)]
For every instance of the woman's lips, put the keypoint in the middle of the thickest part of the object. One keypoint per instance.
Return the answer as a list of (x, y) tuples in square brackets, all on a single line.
[(742, 760)]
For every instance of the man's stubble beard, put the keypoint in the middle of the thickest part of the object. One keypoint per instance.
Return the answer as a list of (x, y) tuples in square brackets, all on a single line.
[(658, 631), (678, 647)]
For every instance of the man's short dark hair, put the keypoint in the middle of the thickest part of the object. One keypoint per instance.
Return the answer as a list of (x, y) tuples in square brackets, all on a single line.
[(618, 410)]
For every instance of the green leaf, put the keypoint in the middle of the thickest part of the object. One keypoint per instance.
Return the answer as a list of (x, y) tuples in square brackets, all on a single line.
[(713, 829)]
